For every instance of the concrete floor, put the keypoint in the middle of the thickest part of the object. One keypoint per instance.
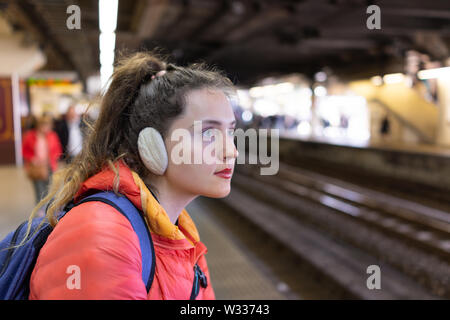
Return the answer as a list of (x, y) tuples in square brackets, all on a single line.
[(235, 273), (16, 198)]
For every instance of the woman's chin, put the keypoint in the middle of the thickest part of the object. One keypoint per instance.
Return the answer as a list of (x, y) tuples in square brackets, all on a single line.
[(217, 193)]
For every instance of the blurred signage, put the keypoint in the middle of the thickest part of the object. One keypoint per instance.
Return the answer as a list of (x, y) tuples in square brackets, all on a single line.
[(47, 82), (6, 118), (7, 153)]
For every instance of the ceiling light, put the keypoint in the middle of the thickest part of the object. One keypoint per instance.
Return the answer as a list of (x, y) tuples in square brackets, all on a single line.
[(434, 73), (107, 15), (393, 78)]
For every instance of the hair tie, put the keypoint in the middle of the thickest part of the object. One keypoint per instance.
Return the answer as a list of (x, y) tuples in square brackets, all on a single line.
[(158, 74), (145, 80)]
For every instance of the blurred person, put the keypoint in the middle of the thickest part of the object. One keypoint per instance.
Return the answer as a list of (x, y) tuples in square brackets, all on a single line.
[(266, 122), (343, 125), (146, 102), (343, 121), (385, 128), (325, 122), (71, 132), (290, 123), (278, 122), (41, 150)]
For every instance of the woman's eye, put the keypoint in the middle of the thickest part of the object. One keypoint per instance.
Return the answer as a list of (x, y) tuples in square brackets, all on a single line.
[(230, 132), (208, 133)]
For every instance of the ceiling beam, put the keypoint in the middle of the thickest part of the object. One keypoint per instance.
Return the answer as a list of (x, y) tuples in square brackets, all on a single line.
[(148, 15), (22, 13), (417, 13), (222, 9)]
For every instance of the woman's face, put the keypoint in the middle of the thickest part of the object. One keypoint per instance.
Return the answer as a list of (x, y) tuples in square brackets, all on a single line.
[(200, 143), (44, 127)]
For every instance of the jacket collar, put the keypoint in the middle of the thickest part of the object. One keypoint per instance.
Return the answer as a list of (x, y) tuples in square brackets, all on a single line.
[(132, 186)]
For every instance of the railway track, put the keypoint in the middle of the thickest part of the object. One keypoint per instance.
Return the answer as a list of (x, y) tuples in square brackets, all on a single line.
[(424, 226), (411, 241), (430, 196)]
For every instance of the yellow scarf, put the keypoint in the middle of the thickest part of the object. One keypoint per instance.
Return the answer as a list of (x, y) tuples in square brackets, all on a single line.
[(157, 219)]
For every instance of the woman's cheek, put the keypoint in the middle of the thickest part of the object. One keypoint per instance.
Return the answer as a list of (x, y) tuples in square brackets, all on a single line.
[(209, 157)]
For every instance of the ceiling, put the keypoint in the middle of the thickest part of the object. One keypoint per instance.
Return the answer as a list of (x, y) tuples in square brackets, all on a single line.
[(248, 39)]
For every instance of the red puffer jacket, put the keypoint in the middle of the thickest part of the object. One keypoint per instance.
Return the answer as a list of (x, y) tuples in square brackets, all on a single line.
[(100, 244), (54, 147)]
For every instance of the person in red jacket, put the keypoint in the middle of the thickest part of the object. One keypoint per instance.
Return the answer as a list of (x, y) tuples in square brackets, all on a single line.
[(154, 119), (41, 150)]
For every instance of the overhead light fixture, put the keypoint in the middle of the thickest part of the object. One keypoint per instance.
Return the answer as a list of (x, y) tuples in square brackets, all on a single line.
[(320, 91), (320, 76), (434, 73), (271, 89), (247, 116), (105, 73), (393, 78), (107, 42), (106, 57), (256, 92), (107, 17), (377, 81), (284, 87)]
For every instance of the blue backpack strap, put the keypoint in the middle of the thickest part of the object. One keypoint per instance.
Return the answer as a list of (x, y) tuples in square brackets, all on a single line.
[(126, 207)]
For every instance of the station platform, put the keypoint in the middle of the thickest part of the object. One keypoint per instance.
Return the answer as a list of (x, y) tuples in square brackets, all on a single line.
[(235, 273), (424, 166), (412, 148)]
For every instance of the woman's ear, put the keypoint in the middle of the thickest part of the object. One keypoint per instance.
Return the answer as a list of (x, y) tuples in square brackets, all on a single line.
[(152, 150)]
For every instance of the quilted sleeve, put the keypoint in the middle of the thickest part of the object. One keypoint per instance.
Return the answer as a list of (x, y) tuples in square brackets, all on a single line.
[(93, 253)]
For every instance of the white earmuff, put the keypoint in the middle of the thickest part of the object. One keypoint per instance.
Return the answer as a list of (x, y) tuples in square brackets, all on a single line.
[(152, 150)]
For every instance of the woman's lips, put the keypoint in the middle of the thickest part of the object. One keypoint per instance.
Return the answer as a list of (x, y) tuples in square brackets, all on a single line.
[(226, 173)]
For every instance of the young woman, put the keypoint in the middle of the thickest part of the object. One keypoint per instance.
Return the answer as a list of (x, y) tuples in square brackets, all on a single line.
[(130, 151)]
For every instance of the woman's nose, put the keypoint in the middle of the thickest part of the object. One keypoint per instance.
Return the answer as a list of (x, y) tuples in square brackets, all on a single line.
[(230, 151)]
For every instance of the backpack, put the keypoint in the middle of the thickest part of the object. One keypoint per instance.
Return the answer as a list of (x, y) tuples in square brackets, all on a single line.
[(17, 264)]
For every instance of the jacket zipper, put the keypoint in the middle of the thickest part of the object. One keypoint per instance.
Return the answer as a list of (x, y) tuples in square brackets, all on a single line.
[(199, 279)]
